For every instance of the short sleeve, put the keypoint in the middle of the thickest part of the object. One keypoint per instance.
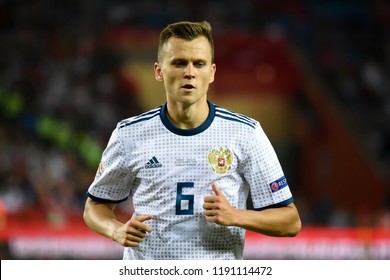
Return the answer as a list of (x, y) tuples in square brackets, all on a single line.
[(113, 178), (264, 174)]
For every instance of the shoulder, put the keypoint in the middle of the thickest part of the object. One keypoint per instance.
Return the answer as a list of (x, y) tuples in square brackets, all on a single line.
[(234, 117), (144, 117)]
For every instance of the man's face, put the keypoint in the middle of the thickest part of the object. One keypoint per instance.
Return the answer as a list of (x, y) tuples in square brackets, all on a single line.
[(186, 70)]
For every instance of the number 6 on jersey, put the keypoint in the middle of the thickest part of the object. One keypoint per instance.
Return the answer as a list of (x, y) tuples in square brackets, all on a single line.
[(184, 202)]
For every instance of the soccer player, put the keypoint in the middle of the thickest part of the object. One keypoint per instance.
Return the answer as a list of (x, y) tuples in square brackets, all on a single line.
[(189, 166)]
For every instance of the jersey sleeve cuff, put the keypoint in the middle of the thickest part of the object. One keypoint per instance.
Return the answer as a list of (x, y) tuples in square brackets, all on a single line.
[(277, 205), (103, 200)]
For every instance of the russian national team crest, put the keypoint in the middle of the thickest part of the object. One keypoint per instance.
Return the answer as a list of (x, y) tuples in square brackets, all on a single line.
[(220, 160)]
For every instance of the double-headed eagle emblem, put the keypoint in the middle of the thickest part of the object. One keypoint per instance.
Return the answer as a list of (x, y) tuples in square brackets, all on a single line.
[(220, 160)]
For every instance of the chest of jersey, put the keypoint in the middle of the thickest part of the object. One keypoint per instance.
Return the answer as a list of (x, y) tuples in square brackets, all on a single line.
[(173, 173)]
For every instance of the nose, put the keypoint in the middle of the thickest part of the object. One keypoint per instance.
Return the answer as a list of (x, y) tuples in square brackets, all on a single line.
[(189, 71)]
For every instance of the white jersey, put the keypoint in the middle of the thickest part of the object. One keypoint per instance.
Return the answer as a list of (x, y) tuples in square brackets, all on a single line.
[(168, 171)]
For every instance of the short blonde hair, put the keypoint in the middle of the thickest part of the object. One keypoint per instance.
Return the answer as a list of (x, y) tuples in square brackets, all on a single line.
[(188, 31)]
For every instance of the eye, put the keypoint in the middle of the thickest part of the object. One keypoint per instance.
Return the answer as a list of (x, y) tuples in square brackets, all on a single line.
[(200, 64), (179, 63)]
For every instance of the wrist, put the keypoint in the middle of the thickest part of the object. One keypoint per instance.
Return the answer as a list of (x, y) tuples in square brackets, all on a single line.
[(237, 217), (113, 230)]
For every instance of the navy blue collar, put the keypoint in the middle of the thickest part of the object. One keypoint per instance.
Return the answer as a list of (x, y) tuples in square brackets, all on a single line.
[(187, 132)]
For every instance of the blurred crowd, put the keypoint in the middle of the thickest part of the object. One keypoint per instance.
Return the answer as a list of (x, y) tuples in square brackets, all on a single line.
[(61, 94), (350, 44), (62, 90)]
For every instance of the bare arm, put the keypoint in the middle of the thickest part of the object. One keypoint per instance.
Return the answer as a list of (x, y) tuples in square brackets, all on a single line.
[(100, 217), (283, 221)]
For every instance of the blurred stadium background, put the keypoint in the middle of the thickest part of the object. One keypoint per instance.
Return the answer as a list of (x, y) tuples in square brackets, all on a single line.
[(314, 73)]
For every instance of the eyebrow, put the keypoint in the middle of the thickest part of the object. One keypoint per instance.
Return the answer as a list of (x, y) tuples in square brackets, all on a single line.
[(175, 60)]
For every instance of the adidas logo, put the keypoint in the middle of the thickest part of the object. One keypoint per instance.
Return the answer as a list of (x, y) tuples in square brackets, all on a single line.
[(153, 163)]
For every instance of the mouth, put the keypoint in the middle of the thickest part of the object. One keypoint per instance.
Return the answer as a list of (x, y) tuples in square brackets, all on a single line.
[(188, 87)]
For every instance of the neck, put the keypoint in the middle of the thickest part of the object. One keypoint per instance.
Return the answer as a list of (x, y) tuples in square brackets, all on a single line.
[(187, 117)]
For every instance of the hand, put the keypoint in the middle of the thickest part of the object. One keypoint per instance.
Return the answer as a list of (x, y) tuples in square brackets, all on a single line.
[(218, 209), (133, 232)]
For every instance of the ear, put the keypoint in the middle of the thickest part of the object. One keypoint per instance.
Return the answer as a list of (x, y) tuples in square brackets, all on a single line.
[(157, 72), (213, 70)]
